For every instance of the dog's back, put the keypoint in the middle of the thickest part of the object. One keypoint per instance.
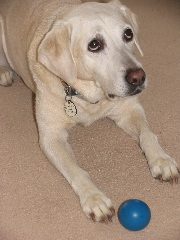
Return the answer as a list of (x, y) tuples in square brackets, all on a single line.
[(19, 20)]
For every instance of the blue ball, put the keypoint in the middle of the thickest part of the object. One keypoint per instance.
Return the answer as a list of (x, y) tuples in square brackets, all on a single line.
[(134, 215)]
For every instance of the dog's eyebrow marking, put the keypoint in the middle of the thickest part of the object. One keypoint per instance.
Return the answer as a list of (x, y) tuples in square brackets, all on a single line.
[(101, 38)]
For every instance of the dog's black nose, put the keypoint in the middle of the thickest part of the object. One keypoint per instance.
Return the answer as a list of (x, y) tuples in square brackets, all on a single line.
[(135, 77)]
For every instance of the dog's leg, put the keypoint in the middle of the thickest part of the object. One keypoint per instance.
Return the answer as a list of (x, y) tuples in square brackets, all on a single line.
[(5, 77), (53, 142), (131, 118), (94, 203), (5, 72)]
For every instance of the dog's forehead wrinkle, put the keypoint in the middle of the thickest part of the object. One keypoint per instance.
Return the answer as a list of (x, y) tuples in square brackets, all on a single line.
[(94, 12), (93, 8), (111, 34), (98, 22)]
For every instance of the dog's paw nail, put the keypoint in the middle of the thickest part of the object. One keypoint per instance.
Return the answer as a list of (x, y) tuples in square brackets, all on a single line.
[(104, 220), (109, 218), (160, 178), (92, 216), (165, 169), (113, 211), (176, 179), (171, 180), (98, 207)]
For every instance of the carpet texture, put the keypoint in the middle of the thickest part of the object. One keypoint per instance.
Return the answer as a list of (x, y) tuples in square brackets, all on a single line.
[(36, 202)]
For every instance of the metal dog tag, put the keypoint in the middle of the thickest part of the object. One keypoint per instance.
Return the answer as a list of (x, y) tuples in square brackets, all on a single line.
[(69, 107)]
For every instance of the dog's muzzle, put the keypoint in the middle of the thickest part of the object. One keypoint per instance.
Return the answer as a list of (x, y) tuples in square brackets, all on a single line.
[(136, 81)]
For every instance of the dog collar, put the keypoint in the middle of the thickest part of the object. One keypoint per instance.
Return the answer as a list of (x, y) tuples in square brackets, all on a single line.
[(69, 106), (70, 91)]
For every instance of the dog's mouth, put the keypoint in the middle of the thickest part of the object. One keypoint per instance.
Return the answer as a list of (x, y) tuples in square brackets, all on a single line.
[(135, 92), (111, 95)]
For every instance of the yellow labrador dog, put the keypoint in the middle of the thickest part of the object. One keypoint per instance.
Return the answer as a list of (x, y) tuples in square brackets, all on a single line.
[(77, 58)]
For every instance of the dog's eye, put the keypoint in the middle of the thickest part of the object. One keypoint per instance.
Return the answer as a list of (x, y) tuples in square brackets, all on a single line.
[(95, 45), (128, 35)]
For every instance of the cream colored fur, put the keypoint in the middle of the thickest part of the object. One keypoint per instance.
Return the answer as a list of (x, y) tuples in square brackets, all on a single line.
[(45, 41)]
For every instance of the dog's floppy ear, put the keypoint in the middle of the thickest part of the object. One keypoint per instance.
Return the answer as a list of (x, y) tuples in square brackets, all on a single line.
[(55, 54), (131, 17)]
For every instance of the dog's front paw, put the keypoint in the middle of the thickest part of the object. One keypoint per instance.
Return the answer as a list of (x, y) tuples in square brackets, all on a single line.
[(165, 169), (5, 77), (99, 208)]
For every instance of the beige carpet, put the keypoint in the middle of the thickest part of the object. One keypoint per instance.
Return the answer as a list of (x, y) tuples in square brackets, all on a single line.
[(36, 202)]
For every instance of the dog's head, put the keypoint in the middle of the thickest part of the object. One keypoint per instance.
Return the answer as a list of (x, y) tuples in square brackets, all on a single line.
[(91, 49)]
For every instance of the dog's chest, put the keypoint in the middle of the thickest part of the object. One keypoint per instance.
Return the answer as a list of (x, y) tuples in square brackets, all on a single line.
[(87, 113)]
